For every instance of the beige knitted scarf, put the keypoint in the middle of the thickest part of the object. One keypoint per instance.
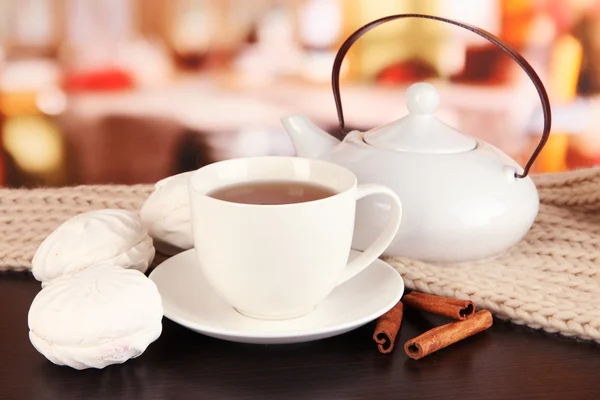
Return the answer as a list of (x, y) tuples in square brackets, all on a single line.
[(550, 280)]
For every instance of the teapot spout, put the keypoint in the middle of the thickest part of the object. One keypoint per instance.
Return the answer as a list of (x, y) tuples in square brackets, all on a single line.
[(309, 140)]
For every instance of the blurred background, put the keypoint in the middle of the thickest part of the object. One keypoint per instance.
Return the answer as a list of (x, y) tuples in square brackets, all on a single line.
[(131, 91)]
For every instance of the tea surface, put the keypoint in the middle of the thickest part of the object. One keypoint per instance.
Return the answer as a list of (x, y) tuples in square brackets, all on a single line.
[(272, 192)]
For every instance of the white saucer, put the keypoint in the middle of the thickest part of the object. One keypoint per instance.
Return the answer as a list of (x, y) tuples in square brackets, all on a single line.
[(189, 301)]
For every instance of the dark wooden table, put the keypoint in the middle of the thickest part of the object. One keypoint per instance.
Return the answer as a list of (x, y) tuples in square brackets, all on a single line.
[(505, 362)]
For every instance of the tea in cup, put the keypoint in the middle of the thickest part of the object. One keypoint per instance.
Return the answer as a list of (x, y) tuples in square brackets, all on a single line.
[(272, 235)]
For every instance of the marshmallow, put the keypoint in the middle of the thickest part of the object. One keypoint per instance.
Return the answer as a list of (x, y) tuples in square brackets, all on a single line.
[(166, 215), (96, 317), (107, 236)]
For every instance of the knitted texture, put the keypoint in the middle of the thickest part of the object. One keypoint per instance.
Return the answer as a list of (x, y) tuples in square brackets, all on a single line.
[(27, 217), (550, 280)]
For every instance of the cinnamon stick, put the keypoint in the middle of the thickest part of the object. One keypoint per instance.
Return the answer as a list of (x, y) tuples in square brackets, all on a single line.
[(387, 328), (446, 306), (445, 335)]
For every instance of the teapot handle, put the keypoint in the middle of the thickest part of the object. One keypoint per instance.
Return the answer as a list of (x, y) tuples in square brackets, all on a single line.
[(337, 64)]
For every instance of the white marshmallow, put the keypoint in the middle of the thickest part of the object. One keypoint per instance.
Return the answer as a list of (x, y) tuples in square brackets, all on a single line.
[(96, 317), (166, 215), (107, 236)]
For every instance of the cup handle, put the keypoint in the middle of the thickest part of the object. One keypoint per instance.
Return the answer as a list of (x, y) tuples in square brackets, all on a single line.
[(384, 239)]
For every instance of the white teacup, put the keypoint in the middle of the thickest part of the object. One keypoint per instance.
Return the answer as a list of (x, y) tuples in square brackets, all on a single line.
[(280, 261)]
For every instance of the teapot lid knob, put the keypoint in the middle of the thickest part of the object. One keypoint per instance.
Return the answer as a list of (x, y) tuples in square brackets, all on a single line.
[(422, 98), (420, 131)]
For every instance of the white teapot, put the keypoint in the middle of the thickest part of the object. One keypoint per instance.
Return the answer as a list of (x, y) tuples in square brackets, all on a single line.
[(462, 198)]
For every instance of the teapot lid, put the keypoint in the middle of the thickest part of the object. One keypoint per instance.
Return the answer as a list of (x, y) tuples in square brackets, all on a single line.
[(420, 131)]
